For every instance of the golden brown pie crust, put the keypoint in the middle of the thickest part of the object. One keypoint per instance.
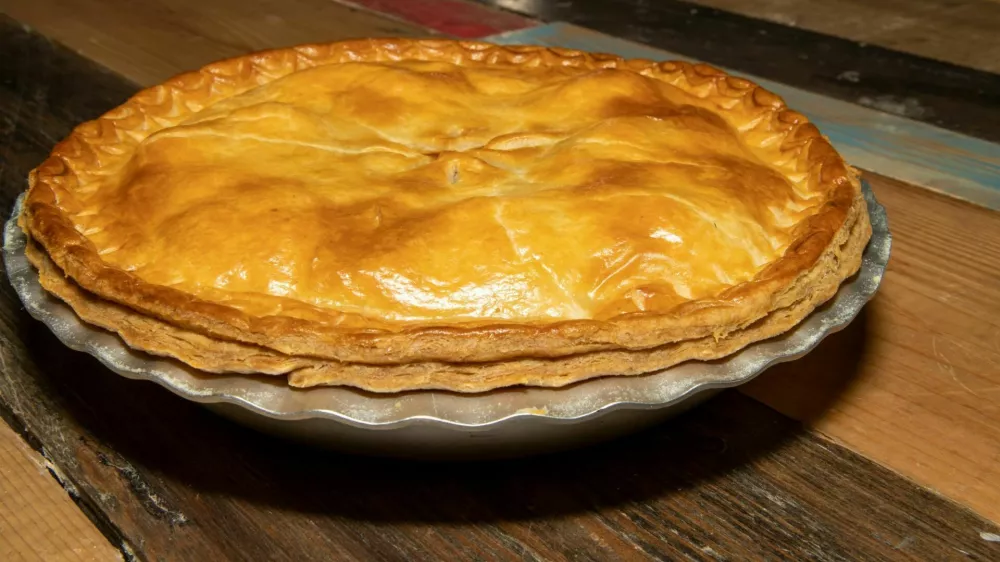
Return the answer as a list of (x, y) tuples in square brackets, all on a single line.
[(322, 345)]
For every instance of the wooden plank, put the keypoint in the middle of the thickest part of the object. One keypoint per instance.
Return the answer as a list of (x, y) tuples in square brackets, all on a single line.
[(150, 42), (941, 94), (923, 393), (961, 32), (38, 520), (924, 364), (900, 148), (456, 18)]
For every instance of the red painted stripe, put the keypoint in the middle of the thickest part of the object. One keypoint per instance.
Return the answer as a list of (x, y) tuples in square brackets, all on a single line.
[(457, 18)]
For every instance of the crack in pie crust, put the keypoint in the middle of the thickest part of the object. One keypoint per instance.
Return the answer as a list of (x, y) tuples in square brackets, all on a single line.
[(400, 214)]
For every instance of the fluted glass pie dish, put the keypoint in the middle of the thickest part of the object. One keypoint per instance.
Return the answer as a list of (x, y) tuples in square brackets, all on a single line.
[(507, 422)]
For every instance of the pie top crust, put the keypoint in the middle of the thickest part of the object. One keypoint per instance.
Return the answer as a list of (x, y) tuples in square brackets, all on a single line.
[(385, 201)]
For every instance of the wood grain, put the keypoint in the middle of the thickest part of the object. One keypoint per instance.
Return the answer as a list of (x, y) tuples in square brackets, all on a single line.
[(38, 520), (149, 42), (957, 31), (925, 398)]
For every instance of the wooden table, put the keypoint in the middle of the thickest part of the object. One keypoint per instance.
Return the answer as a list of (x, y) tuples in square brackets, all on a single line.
[(897, 457)]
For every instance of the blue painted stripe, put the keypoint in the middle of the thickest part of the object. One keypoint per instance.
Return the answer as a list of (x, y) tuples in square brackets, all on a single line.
[(893, 146)]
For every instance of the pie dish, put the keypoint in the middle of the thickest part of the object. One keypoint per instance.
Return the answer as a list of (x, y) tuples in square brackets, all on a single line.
[(400, 214), (438, 424)]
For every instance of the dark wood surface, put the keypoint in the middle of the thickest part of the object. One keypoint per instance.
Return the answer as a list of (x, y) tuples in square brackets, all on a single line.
[(961, 32), (947, 95), (167, 480)]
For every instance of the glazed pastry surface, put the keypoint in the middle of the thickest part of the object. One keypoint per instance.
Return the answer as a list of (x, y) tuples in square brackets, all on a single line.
[(417, 192)]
